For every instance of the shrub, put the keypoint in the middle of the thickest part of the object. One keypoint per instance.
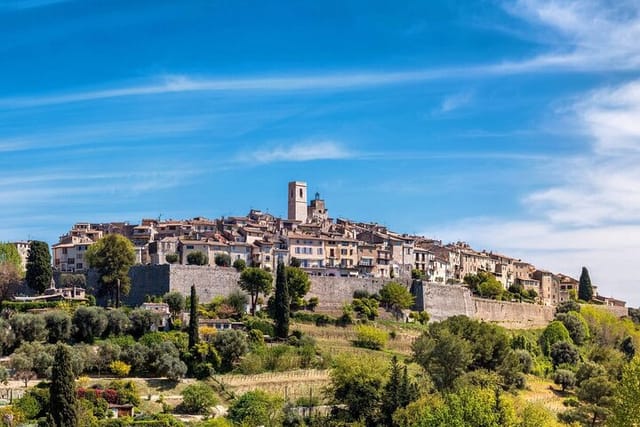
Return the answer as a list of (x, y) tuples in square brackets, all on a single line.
[(222, 260), (265, 326), (198, 398), (197, 258), (564, 378), (312, 303), (231, 346), (553, 333), (256, 408), (370, 337), (171, 258), (119, 368), (239, 264)]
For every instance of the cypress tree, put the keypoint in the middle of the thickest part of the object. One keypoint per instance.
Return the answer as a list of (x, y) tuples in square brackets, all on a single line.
[(62, 404), (194, 336), (282, 301), (39, 271), (392, 395), (585, 290)]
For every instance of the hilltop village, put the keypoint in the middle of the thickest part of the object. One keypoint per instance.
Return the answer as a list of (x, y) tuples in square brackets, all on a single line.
[(322, 245)]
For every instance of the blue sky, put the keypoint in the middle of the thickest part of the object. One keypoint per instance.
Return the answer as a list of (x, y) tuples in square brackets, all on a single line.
[(511, 125)]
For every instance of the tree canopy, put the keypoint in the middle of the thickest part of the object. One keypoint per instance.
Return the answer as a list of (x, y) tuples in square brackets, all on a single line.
[(112, 256), (63, 406), (39, 270), (9, 253), (396, 296), (197, 258), (255, 281), (585, 289), (282, 303)]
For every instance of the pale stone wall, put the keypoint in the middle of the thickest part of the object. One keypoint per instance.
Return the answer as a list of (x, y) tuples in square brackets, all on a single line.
[(440, 301), (513, 314)]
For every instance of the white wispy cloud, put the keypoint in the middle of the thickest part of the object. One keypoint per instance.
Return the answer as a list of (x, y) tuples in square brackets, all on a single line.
[(92, 134), (600, 187), (591, 34), (300, 152), (455, 101), (591, 215)]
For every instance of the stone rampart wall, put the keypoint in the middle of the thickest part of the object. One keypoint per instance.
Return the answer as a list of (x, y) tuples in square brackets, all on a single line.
[(440, 301), (513, 314)]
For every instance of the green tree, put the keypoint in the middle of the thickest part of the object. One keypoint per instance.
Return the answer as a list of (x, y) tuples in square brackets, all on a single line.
[(282, 302), (28, 327), (197, 258), (175, 301), (222, 260), (171, 366), (370, 337), (564, 378), (112, 256), (443, 355), (7, 337), (63, 390), (356, 382), (490, 288), (553, 333), (576, 325), (239, 264), (198, 398), (396, 297), (39, 271), (73, 280), (171, 258), (89, 323), (417, 274), (58, 326), (398, 392), (564, 352), (22, 366), (118, 323), (626, 399), (238, 301), (256, 281), (9, 280), (9, 253), (597, 393), (567, 306), (255, 408), (194, 335), (231, 345), (298, 282), (585, 290)]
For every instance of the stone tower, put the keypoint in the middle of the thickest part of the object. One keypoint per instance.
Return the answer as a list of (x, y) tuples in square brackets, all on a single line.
[(298, 201), (317, 210)]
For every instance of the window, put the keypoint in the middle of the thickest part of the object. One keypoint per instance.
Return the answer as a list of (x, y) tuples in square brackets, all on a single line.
[(297, 250), (343, 251), (319, 251), (189, 246), (301, 193), (79, 265)]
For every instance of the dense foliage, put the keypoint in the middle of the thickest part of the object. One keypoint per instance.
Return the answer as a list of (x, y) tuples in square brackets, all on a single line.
[(39, 270), (112, 256)]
